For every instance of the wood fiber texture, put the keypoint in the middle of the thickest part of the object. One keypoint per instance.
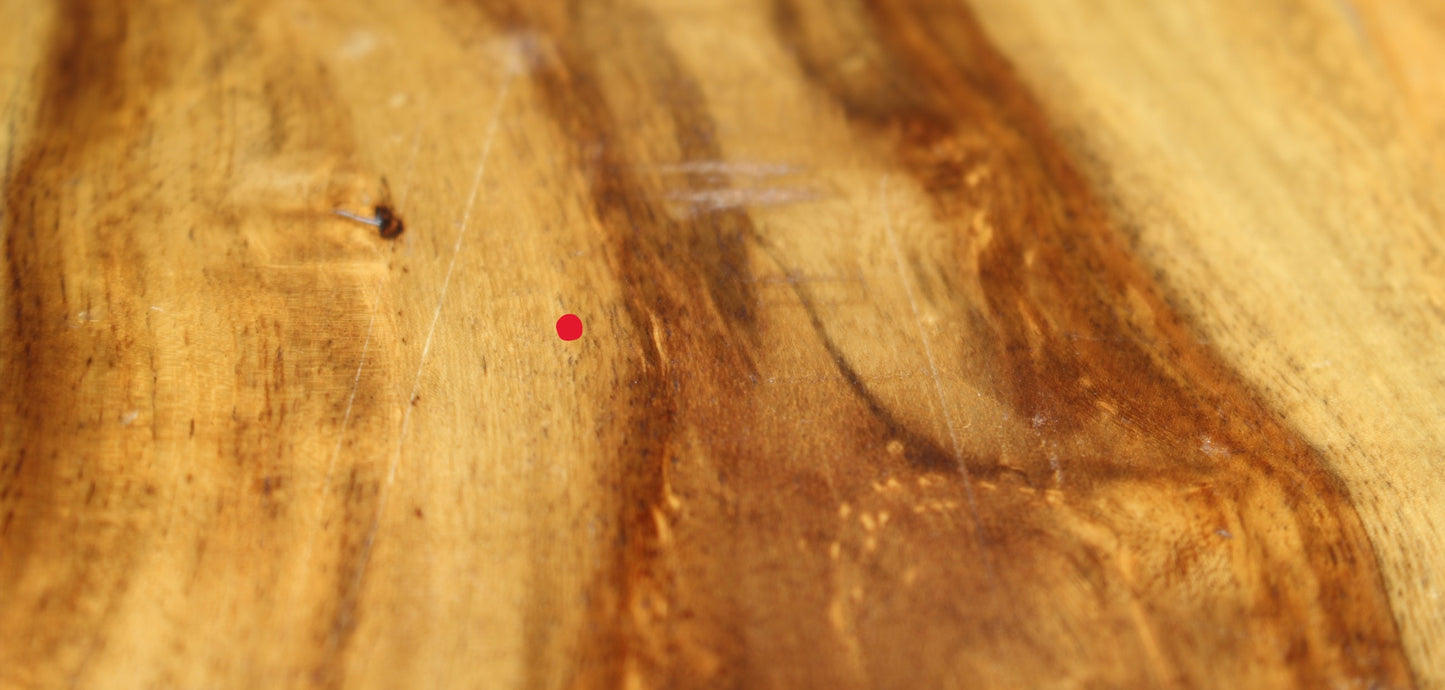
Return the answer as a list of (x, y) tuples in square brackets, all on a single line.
[(929, 344)]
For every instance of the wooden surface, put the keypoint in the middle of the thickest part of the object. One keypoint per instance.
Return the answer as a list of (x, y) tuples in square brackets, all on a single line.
[(929, 344)]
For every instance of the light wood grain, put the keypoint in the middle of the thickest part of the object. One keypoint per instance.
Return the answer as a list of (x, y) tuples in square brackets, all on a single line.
[(928, 344)]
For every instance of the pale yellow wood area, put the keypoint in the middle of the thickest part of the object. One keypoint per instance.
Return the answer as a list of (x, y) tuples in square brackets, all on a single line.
[(928, 343)]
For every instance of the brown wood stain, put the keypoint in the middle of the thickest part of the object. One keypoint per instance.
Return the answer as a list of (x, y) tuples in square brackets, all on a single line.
[(1118, 508)]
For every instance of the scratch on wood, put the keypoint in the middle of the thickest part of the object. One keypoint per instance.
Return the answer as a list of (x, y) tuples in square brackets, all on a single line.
[(933, 369), (735, 197), (365, 558), (341, 435), (451, 266)]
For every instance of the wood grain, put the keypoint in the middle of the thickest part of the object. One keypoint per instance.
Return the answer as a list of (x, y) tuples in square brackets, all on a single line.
[(929, 343)]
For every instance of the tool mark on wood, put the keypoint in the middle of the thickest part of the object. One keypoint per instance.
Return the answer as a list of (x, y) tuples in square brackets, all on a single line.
[(364, 560), (922, 451), (340, 435), (451, 267), (725, 199), (933, 368), (713, 185)]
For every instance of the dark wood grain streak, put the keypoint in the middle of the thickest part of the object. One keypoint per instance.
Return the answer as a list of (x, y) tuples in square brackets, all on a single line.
[(1062, 299), (86, 402), (671, 609), (1084, 341), (685, 295), (925, 454), (84, 105)]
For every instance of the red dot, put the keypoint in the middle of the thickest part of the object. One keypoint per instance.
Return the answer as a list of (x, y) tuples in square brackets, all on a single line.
[(569, 327)]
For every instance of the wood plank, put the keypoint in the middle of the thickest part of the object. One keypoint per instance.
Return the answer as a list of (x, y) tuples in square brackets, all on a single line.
[(927, 344)]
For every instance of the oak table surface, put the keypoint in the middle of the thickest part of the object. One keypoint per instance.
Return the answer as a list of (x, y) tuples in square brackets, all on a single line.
[(928, 344)]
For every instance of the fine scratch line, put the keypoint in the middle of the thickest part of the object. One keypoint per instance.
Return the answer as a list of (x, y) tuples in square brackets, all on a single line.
[(382, 493), (341, 436), (933, 368), (447, 281)]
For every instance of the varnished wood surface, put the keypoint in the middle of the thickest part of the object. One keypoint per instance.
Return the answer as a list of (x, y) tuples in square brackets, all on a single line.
[(929, 343)]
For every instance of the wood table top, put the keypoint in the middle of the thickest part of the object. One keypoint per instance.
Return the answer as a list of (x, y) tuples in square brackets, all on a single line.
[(924, 344)]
